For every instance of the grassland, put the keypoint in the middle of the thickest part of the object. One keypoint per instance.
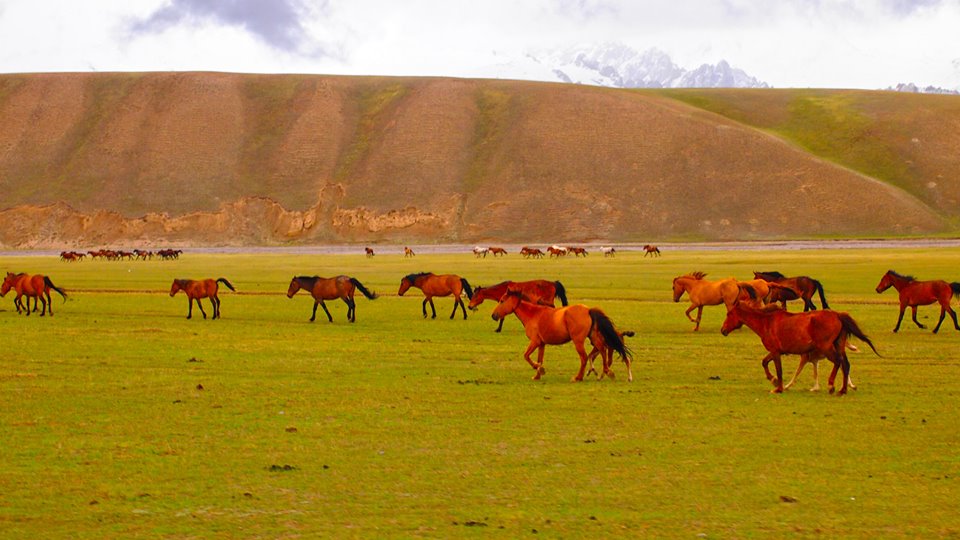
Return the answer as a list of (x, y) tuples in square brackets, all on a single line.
[(123, 419)]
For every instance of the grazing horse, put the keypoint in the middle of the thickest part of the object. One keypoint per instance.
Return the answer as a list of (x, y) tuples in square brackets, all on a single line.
[(369, 251), (197, 289), (497, 251), (438, 285), (407, 252), (915, 293), (805, 287), (810, 334), (538, 291), (31, 286), (704, 293), (651, 250), (545, 325), (342, 287)]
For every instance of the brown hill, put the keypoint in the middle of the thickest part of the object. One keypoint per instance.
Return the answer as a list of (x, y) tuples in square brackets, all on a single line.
[(211, 158)]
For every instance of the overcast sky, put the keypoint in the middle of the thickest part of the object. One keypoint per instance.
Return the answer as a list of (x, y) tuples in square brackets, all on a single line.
[(786, 43)]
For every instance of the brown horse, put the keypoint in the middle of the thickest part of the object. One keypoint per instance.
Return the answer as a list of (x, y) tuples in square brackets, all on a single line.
[(651, 250), (437, 285), (538, 291), (545, 325), (497, 251), (528, 252), (704, 293), (197, 289), (915, 293), (369, 251), (407, 252), (601, 348), (578, 251), (809, 334), (804, 286), (342, 287), (31, 286)]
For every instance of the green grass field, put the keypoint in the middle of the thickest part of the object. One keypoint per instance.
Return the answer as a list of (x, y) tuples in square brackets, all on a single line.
[(120, 418)]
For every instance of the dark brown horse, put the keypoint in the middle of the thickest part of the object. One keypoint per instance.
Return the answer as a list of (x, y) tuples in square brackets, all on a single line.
[(369, 251), (197, 289), (804, 286), (651, 250), (545, 325), (438, 285), (915, 293), (538, 291), (28, 286), (342, 287), (809, 334)]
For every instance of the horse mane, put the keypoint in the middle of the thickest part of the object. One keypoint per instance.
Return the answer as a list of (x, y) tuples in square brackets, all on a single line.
[(698, 275), (773, 274), (413, 277), (308, 279), (901, 276)]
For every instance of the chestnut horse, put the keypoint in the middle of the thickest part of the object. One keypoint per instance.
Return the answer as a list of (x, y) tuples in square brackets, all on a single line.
[(601, 348), (704, 293), (342, 287), (369, 251), (497, 251), (437, 285), (651, 250), (31, 286), (407, 252), (809, 334), (538, 291), (545, 325), (915, 293), (805, 287), (197, 289)]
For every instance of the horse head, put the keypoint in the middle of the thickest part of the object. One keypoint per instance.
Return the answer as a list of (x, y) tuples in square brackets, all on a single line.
[(508, 303), (889, 279), (733, 321), (178, 285)]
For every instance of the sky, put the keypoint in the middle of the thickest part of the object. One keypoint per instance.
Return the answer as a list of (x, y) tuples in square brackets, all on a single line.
[(869, 44)]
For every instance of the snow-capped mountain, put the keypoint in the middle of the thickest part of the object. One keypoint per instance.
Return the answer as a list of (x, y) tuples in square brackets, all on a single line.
[(912, 88), (620, 66)]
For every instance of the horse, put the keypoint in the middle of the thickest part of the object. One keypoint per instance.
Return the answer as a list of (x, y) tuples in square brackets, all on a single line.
[(342, 287), (608, 251), (538, 291), (528, 252), (480, 251), (704, 293), (31, 286), (805, 286), (809, 334), (608, 357), (369, 251), (651, 250), (545, 325), (438, 285), (497, 251), (407, 252), (915, 293), (557, 251), (197, 289), (578, 251)]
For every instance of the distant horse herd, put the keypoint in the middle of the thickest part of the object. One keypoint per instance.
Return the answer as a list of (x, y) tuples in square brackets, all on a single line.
[(759, 303)]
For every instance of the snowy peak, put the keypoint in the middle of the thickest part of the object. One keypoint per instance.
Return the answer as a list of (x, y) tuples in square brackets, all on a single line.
[(912, 88)]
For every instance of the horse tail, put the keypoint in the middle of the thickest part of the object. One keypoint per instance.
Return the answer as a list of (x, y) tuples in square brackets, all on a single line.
[(850, 326), (604, 325), (823, 299), (48, 283), (227, 283), (561, 292), (955, 287), (361, 288), (466, 287)]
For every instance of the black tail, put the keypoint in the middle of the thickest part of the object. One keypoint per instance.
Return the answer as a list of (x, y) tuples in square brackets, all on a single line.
[(48, 283), (227, 283), (604, 325), (466, 287), (823, 299), (955, 287), (361, 288), (561, 292), (850, 326)]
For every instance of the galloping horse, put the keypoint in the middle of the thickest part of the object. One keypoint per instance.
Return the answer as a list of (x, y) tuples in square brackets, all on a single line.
[(342, 287), (651, 250), (528, 252), (197, 289), (545, 325), (538, 291), (31, 286), (496, 251), (915, 293), (805, 287), (809, 334), (704, 293), (438, 285)]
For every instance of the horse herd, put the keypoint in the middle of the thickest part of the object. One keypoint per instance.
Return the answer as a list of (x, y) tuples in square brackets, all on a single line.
[(760, 304)]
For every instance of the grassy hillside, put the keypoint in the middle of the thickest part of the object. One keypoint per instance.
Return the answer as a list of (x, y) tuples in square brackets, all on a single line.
[(225, 158)]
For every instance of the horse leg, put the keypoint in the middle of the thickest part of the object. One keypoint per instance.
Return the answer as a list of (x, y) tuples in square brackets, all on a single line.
[(314, 315), (540, 369), (500, 326), (190, 307), (351, 309), (687, 312), (327, 311), (456, 304), (215, 301), (913, 309), (581, 351), (953, 315), (943, 313), (778, 381), (803, 362), (43, 302), (200, 305), (808, 304), (899, 319), (48, 306)]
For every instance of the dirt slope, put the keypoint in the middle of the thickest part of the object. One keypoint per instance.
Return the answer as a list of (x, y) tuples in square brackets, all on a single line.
[(212, 158)]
